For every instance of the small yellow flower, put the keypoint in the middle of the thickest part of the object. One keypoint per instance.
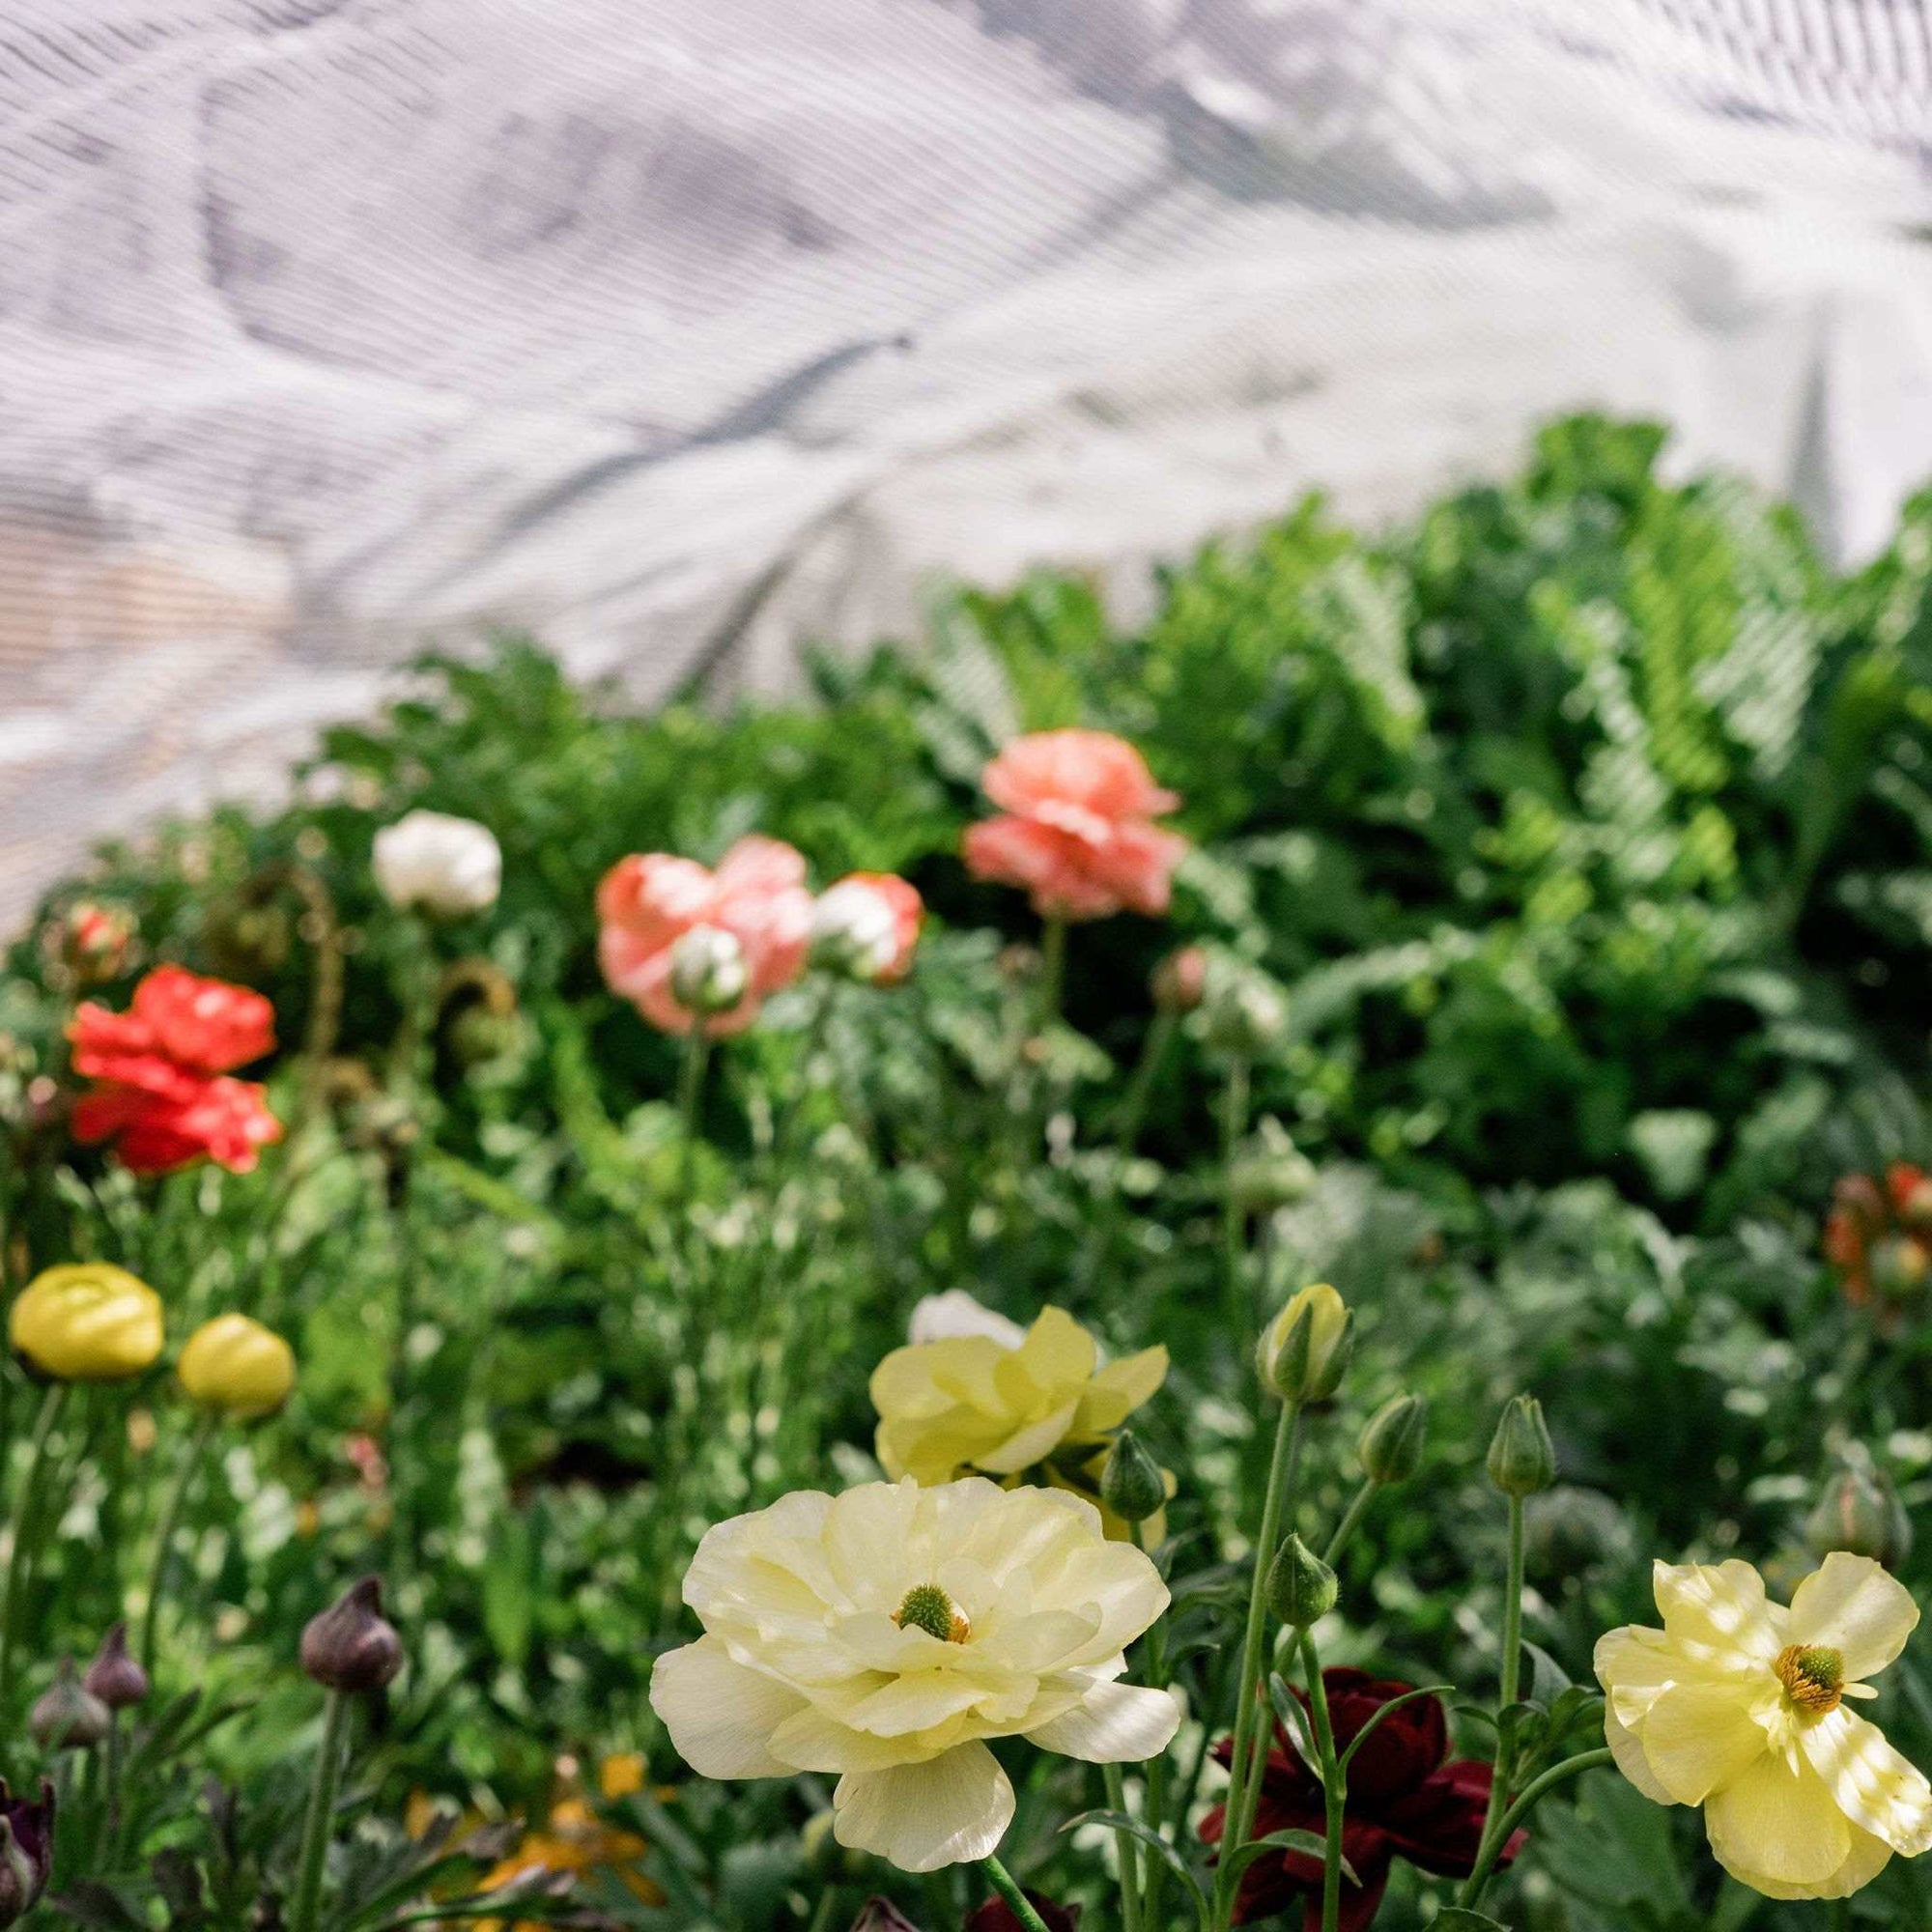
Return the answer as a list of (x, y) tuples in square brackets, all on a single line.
[(1737, 1704), (886, 1634), (980, 1403), (236, 1366), (87, 1322)]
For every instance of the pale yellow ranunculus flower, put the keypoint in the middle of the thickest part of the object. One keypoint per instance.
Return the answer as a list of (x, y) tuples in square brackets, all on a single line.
[(885, 1634), (236, 1366), (1737, 1704), (979, 1403), (87, 1322)]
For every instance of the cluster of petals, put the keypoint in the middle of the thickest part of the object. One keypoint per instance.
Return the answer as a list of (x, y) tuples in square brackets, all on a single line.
[(866, 924), (1738, 1705), (162, 1090), (1076, 828), (981, 1396), (648, 901), (809, 1661), (1407, 1799)]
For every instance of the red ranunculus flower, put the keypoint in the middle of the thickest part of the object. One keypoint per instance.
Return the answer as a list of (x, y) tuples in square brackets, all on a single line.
[(1077, 830), (1404, 1802), (997, 1916), (162, 1090), (1878, 1238)]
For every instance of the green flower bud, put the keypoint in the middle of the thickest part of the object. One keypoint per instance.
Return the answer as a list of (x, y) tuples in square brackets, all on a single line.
[(1242, 1012), (1859, 1510), (1131, 1485), (1390, 1444), (1180, 981), (707, 970), (1269, 1170), (1301, 1589), (1304, 1351), (1523, 1459)]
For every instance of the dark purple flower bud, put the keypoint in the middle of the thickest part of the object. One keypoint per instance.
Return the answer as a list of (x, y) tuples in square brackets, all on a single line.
[(65, 1717), (351, 1646), (26, 1849), (114, 1677)]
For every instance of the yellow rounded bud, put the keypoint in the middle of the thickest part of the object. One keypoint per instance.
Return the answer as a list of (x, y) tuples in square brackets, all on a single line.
[(235, 1365), (87, 1322), (1305, 1349)]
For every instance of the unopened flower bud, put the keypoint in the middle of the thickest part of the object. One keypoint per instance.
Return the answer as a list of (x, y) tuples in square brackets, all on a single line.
[(1243, 1012), (95, 942), (65, 1717), (707, 970), (1899, 1267), (1268, 1171), (26, 1849), (451, 866), (1523, 1459), (1390, 1444), (1178, 983), (865, 928), (236, 1367), (87, 1322), (114, 1677), (1859, 1512), (1131, 1485), (1304, 1351), (1301, 1589), (351, 1646)]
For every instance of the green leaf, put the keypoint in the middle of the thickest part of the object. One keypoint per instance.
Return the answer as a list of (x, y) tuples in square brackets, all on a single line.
[(1459, 1918), (1304, 1843), (1122, 1821)]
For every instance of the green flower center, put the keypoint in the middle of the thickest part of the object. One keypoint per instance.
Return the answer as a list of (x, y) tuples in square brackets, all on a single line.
[(1813, 1677), (929, 1609)]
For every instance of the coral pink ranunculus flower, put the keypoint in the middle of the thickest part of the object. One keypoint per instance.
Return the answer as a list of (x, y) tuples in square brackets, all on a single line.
[(648, 901), (1077, 829), (160, 1069)]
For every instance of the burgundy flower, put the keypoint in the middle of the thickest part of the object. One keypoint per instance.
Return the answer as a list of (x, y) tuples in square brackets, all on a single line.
[(997, 1916), (26, 1849), (1404, 1802)]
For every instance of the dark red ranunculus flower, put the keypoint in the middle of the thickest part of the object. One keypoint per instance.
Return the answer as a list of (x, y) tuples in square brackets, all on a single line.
[(997, 1916), (1405, 1802), (26, 1849), (162, 1090)]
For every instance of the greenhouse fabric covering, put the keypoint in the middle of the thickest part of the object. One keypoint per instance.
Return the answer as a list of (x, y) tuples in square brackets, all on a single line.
[(682, 332)]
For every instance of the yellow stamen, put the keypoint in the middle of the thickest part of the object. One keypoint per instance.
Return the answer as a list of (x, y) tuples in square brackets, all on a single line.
[(929, 1609), (1813, 1677)]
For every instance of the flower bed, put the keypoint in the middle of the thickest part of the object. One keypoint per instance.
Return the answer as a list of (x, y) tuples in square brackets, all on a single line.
[(809, 1247)]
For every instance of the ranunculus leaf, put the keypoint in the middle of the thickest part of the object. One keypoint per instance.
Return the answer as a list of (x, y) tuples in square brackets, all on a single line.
[(1304, 1843), (1459, 1918), (1122, 1821)]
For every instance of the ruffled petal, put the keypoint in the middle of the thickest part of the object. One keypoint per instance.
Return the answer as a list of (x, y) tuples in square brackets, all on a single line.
[(950, 1810), (1856, 1608), (1113, 1723), (1780, 1824), (1878, 1790), (1698, 1738), (720, 1716)]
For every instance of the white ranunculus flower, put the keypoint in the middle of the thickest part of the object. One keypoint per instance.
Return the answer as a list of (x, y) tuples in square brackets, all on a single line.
[(947, 1317), (885, 1634), (450, 865)]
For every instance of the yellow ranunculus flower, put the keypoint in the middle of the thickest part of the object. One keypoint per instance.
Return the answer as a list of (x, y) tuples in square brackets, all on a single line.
[(1315, 1374), (87, 1322), (885, 1634), (977, 1401), (1737, 1704), (235, 1365)]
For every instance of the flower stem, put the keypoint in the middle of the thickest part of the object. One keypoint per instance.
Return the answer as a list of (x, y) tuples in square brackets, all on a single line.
[(690, 1095), (1334, 1787), (1493, 1846), (1131, 1882), (317, 1824), (26, 1528), (1052, 974), (1133, 1117), (171, 1515), (1512, 1664), (1233, 1256), (1153, 1870), (1346, 1528), (1002, 1882), (1280, 1486)]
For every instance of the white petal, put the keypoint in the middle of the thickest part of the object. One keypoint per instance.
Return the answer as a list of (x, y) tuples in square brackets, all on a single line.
[(1855, 1606), (1876, 1788), (1628, 1751), (1864, 1861), (948, 1811), (1113, 1723), (720, 1715), (944, 1317)]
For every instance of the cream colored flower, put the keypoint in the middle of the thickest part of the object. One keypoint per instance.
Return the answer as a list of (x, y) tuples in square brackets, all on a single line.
[(977, 1401), (452, 866), (1737, 1704), (945, 1318), (885, 1634)]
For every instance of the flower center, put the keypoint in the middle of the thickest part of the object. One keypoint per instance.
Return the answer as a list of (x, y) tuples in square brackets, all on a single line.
[(929, 1609), (1813, 1677)]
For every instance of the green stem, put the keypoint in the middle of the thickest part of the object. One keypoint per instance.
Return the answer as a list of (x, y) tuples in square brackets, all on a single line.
[(1130, 1879), (1052, 974), (1002, 1882), (26, 1535), (1234, 1257), (171, 1515), (1512, 1664), (316, 1826), (1346, 1528), (1280, 1484), (1334, 1787), (1153, 1870), (689, 1096), (1493, 1846), (1133, 1117), (821, 1918)]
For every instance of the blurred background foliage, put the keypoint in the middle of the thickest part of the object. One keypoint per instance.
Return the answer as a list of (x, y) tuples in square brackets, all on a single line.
[(1587, 822)]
